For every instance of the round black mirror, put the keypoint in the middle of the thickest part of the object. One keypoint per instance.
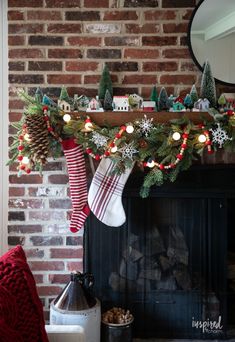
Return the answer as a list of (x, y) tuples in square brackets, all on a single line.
[(211, 36)]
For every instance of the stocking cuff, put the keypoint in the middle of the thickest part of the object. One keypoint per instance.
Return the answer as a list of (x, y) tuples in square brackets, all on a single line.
[(68, 144)]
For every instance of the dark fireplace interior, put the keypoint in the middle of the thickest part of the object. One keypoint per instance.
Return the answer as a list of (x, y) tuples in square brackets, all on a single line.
[(173, 262)]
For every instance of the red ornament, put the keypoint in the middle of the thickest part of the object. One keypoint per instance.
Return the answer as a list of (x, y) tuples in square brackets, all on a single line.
[(206, 132), (184, 146), (179, 156), (208, 143), (22, 167), (87, 120), (45, 108), (230, 112), (185, 135), (145, 164), (201, 126), (123, 128), (46, 118), (21, 137), (97, 157), (161, 167), (19, 158), (88, 150), (20, 148), (28, 171), (112, 144), (50, 129), (118, 135), (173, 166), (107, 153)]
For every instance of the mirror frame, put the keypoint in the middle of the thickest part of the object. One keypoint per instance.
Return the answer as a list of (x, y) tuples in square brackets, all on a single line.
[(200, 67)]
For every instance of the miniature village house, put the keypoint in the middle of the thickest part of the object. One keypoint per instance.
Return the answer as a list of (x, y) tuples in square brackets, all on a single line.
[(121, 103)]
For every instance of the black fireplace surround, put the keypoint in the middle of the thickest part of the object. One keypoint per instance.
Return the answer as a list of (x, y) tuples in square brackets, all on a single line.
[(173, 262)]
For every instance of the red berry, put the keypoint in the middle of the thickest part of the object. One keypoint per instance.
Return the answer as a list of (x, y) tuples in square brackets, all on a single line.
[(97, 157), (172, 166), (185, 135), (45, 108), (20, 148), (50, 129), (21, 137), (208, 143), (107, 153), (20, 158), (184, 145), (118, 135), (230, 112), (179, 156), (24, 126), (161, 167), (46, 118), (28, 171), (22, 167), (112, 144), (123, 128), (88, 150), (206, 132), (145, 164), (201, 126)]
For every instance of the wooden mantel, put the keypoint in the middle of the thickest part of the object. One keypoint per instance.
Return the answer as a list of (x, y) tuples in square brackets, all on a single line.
[(120, 118)]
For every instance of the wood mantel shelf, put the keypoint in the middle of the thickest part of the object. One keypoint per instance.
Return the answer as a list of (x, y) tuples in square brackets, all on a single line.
[(120, 118)]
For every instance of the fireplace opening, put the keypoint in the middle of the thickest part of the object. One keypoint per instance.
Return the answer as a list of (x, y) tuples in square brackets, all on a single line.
[(173, 262)]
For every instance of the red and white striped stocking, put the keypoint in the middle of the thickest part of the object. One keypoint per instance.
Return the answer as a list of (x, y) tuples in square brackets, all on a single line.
[(78, 183)]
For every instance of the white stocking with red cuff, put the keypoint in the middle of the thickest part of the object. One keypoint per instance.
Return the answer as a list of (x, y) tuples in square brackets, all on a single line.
[(78, 183), (105, 194)]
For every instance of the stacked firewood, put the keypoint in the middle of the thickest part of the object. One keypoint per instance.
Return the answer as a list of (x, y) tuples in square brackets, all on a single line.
[(117, 316)]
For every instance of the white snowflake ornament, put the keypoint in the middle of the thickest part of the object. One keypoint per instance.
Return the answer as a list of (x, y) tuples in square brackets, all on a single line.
[(219, 135), (145, 125), (128, 151), (98, 139)]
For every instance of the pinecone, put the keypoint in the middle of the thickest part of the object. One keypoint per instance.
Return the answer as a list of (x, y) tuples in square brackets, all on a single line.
[(38, 135)]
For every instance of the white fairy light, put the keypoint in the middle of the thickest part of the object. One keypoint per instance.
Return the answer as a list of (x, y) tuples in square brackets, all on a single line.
[(129, 128), (176, 136), (202, 138), (67, 117)]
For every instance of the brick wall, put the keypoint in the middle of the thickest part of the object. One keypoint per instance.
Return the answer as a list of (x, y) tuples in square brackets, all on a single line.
[(55, 42)]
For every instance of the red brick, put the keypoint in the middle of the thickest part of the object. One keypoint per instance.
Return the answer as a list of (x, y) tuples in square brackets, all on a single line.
[(145, 28), (16, 104), (46, 265), (188, 66), (25, 229), (45, 40), (178, 3), (85, 41), (25, 53), (46, 215), (140, 79), (96, 3), (102, 28), (146, 91), (25, 203), (53, 166), (64, 28), (16, 240), (38, 278), (60, 204), (25, 179), (59, 278), (48, 290), (125, 90), (64, 79), (46, 240), (177, 79), (121, 15), (44, 15), (176, 53), (63, 3), (160, 66), (186, 15), (183, 92), (46, 191), (95, 79), (58, 179), (74, 240), (160, 15), (122, 66), (175, 28), (16, 216), (16, 40), (45, 66), (66, 253), (34, 253), (141, 54), (81, 66), (16, 191), (91, 92), (26, 78), (104, 53), (64, 53), (25, 3), (75, 266), (15, 15), (159, 41), (140, 3), (121, 41), (25, 28), (82, 16)]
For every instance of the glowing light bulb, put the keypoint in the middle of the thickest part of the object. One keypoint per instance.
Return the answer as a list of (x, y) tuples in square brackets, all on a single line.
[(25, 160), (129, 128), (176, 136), (114, 149), (151, 163), (202, 138), (27, 137), (67, 117)]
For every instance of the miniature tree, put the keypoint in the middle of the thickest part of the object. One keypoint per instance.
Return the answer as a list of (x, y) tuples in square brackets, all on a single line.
[(163, 103), (188, 101), (194, 94), (38, 95), (208, 89), (108, 101), (64, 94), (105, 83), (222, 100), (154, 96)]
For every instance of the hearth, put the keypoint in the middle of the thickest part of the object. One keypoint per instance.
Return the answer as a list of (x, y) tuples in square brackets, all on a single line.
[(173, 262)]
